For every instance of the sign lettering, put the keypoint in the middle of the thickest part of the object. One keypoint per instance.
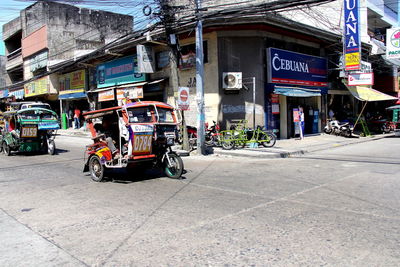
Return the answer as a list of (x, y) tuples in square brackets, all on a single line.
[(352, 44)]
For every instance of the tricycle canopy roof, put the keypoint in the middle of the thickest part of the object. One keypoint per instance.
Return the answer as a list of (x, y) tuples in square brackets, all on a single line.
[(102, 112)]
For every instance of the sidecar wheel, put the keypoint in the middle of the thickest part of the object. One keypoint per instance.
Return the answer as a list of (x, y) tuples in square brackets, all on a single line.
[(96, 169), (51, 147), (175, 170)]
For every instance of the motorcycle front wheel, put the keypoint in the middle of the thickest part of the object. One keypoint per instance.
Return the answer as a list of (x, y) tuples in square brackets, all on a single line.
[(174, 167)]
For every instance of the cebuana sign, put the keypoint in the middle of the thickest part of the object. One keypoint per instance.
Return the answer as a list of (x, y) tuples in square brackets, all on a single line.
[(285, 67), (352, 44)]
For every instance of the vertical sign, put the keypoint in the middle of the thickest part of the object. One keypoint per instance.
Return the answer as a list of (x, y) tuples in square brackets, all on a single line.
[(352, 43), (393, 43)]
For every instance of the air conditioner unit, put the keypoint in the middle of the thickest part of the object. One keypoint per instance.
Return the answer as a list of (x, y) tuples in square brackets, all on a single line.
[(232, 80)]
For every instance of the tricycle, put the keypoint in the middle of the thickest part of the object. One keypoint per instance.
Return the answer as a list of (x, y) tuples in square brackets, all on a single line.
[(136, 134), (29, 130)]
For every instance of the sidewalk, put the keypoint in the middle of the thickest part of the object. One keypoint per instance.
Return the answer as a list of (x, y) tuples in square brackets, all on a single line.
[(291, 147), (283, 148)]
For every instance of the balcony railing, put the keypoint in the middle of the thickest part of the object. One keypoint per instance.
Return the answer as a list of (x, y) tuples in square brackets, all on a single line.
[(14, 61), (14, 54)]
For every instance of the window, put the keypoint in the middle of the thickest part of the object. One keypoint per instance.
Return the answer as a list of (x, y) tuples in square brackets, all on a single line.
[(139, 115), (165, 115)]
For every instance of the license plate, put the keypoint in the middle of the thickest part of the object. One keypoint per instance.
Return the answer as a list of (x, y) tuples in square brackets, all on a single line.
[(29, 132), (142, 143)]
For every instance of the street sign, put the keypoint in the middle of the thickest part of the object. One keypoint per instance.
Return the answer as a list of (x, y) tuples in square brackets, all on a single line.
[(183, 98)]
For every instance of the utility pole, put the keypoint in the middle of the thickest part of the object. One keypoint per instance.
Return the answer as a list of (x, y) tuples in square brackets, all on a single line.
[(167, 17), (200, 82)]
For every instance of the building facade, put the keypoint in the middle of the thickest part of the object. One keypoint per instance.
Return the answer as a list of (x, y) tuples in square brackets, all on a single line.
[(47, 34)]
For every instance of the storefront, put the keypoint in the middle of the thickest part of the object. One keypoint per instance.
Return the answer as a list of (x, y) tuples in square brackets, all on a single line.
[(119, 81), (296, 82), (43, 89), (72, 95)]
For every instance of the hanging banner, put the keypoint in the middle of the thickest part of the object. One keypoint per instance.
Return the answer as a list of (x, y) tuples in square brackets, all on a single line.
[(145, 57), (183, 98), (393, 43), (361, 78), (352, 40), (106, 95)]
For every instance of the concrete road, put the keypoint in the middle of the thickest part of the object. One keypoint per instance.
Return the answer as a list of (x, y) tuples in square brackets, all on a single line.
[(339, 207)]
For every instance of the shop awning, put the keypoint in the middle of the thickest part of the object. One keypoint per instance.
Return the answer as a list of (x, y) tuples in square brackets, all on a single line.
[(394, 107), (296, 91), (18, 94), (117, 86), (369, 94)]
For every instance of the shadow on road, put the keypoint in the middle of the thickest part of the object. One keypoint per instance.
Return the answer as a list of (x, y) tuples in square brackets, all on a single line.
[(132, 175)]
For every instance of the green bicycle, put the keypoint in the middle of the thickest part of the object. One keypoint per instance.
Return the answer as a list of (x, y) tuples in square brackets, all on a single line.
[(241, 136)]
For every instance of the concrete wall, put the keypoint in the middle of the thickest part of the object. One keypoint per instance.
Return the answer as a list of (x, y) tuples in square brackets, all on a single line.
[(187, 78), (12, 27), (72, 29), (3, 73)]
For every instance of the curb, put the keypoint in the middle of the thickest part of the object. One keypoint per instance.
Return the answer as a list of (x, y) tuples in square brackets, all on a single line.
[(300, 152)]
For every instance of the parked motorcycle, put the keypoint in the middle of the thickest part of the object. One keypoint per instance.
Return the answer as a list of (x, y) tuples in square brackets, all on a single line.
[(334, 127), (212, 137)]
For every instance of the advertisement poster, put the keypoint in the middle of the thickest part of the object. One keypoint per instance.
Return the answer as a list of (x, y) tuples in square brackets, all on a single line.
[(106, 95), (351, 32), (130, 92), (38, 87), (72, 84)]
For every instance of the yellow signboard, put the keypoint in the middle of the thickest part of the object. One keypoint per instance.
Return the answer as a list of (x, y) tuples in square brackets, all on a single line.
[(353, 61), (37, 87), (73, 81)]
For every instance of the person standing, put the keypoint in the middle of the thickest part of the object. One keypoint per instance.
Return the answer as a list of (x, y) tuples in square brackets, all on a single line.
[(77, 115)]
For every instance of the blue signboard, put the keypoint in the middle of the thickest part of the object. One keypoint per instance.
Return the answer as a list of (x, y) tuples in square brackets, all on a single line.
[(352, 44), (285, 67), (119, 71)]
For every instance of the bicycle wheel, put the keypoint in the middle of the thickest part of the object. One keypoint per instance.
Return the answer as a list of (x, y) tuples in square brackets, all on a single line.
[(228, 145), (270, 139)]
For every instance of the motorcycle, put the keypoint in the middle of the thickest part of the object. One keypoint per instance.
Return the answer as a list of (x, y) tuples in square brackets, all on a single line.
[(334, 127), (212, 137)]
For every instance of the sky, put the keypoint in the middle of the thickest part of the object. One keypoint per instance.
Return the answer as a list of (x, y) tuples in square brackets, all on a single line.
[(9, 9)]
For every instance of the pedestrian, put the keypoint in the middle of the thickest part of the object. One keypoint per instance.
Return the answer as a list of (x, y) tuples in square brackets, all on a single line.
[(301, 122), (77, 115)]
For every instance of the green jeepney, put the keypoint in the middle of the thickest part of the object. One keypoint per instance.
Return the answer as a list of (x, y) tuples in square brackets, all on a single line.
[(29, 130)]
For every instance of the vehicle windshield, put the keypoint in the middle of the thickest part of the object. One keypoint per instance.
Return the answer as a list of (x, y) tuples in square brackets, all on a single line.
[(140, 115), (165, 115), (37, 114)]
